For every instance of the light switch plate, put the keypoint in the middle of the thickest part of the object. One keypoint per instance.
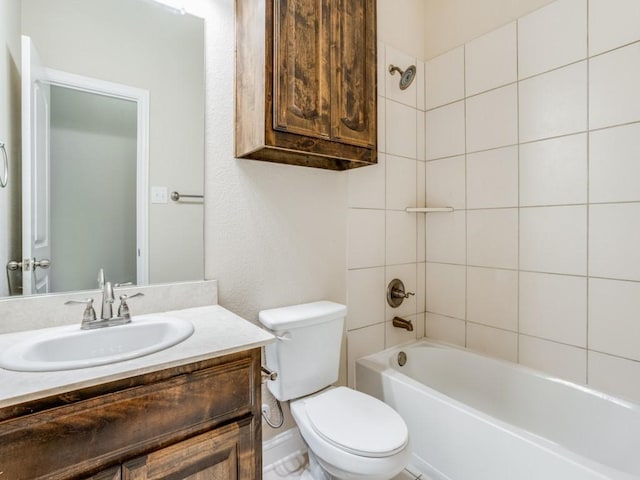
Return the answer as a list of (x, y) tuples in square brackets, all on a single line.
[(159, 194)]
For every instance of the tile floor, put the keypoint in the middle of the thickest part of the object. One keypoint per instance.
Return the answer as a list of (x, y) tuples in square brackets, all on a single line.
[(409, 474), (292, 472)]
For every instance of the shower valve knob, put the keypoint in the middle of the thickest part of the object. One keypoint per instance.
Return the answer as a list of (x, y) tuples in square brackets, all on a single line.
[(396, 293)]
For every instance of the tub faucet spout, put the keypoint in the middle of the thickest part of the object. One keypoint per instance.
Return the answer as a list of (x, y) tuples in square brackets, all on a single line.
[(402, 323)]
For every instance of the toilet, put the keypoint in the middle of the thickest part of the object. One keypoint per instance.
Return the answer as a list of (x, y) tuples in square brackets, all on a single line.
[(349, 435)]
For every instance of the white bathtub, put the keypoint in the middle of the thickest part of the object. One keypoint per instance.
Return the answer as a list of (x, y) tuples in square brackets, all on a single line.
[(472, 417)]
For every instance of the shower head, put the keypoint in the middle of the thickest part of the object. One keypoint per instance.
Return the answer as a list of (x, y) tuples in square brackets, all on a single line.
[(406, 76)]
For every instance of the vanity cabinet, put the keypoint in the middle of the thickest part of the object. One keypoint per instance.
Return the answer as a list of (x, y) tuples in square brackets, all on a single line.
[(195, 421), (306, 82), (212, 455)]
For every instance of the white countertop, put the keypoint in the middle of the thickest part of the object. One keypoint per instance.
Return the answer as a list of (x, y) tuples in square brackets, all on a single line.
[(217, 332)]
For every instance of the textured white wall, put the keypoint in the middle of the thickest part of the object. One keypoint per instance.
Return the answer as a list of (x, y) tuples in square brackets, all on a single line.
[(449, 23), (275, 234), (401, 26)]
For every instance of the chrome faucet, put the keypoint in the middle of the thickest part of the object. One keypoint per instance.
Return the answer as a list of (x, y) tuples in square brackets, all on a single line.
[(106, 313), (106, 319)]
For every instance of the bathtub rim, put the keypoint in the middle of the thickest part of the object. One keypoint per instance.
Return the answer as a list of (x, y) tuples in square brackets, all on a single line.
[(622, 401)]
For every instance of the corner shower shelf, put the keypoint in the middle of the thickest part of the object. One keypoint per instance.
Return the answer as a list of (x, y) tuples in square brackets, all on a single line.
[(428, 209)]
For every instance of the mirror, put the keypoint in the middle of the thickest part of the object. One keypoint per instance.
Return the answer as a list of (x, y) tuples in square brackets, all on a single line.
[(115, 125)]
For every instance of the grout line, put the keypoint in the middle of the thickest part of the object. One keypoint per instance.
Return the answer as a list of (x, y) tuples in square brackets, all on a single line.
[(466, 201), (588, 201), (544, 139), (613, 355), (518, 186), (535, 75), (541, 272)]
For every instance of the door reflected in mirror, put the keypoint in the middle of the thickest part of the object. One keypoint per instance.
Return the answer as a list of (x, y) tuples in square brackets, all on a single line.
[(92, 155)]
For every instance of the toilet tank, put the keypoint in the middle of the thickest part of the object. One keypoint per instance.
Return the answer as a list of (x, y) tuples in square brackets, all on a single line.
[(306, 353)]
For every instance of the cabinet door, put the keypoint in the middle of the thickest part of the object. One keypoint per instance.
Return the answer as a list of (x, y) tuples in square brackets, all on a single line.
[(225, 453), (353, 107), (301, 67)]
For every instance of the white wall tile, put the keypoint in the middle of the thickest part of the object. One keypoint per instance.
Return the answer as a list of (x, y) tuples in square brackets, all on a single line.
[(421, 287), (421, 87), (492, 119), (554, 172), (446, 329), (492, 297), (421, 201), (366, 238), (492, 238), (361, 343), (554, 307), (382, 119), (421, 135), (365, 297), (401, 182), (401, 238), (446, 289), (554, 104), (474, 255), (418, 324), (612, 23), (366, 185), (492, 341), (552, 36), (393, 92), (614, 237), (422, 238), (564, 361), (492, 178), (401, 129), (614, 375), (491, 60), (408, 273), (445, 78), (445, 131), (446, 182), (614, 317), (614, 164), (554, 239), (396, 335), (421, 185), (446, 237), (614, 87), (382, 69)]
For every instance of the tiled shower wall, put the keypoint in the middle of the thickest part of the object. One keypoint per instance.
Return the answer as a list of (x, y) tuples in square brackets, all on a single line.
[(385, 242), (533, 136)]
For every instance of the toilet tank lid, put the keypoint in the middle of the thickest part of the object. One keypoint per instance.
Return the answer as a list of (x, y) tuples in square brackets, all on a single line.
[(304, 315)]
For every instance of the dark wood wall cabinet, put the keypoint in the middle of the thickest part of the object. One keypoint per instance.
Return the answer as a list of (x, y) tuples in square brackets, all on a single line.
[(198, 421), (306, 82)]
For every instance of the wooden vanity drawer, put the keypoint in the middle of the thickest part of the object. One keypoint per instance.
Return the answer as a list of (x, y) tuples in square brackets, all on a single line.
[(83, 437)]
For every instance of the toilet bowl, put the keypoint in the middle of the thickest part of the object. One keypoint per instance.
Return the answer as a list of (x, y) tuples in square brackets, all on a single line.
[(350, 435)]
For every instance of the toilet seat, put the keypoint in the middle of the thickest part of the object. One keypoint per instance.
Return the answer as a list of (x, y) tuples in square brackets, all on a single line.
[(357, 423), (334, 458)]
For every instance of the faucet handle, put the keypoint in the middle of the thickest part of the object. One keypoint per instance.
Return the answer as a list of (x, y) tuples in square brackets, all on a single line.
[(124, 284), (89, 314), (123, 309)]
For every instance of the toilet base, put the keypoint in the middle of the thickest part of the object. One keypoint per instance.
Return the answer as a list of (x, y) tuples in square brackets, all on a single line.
[(314, 470)]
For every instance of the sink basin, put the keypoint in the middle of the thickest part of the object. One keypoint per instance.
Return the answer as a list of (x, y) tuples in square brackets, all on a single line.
[(67, 348)]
